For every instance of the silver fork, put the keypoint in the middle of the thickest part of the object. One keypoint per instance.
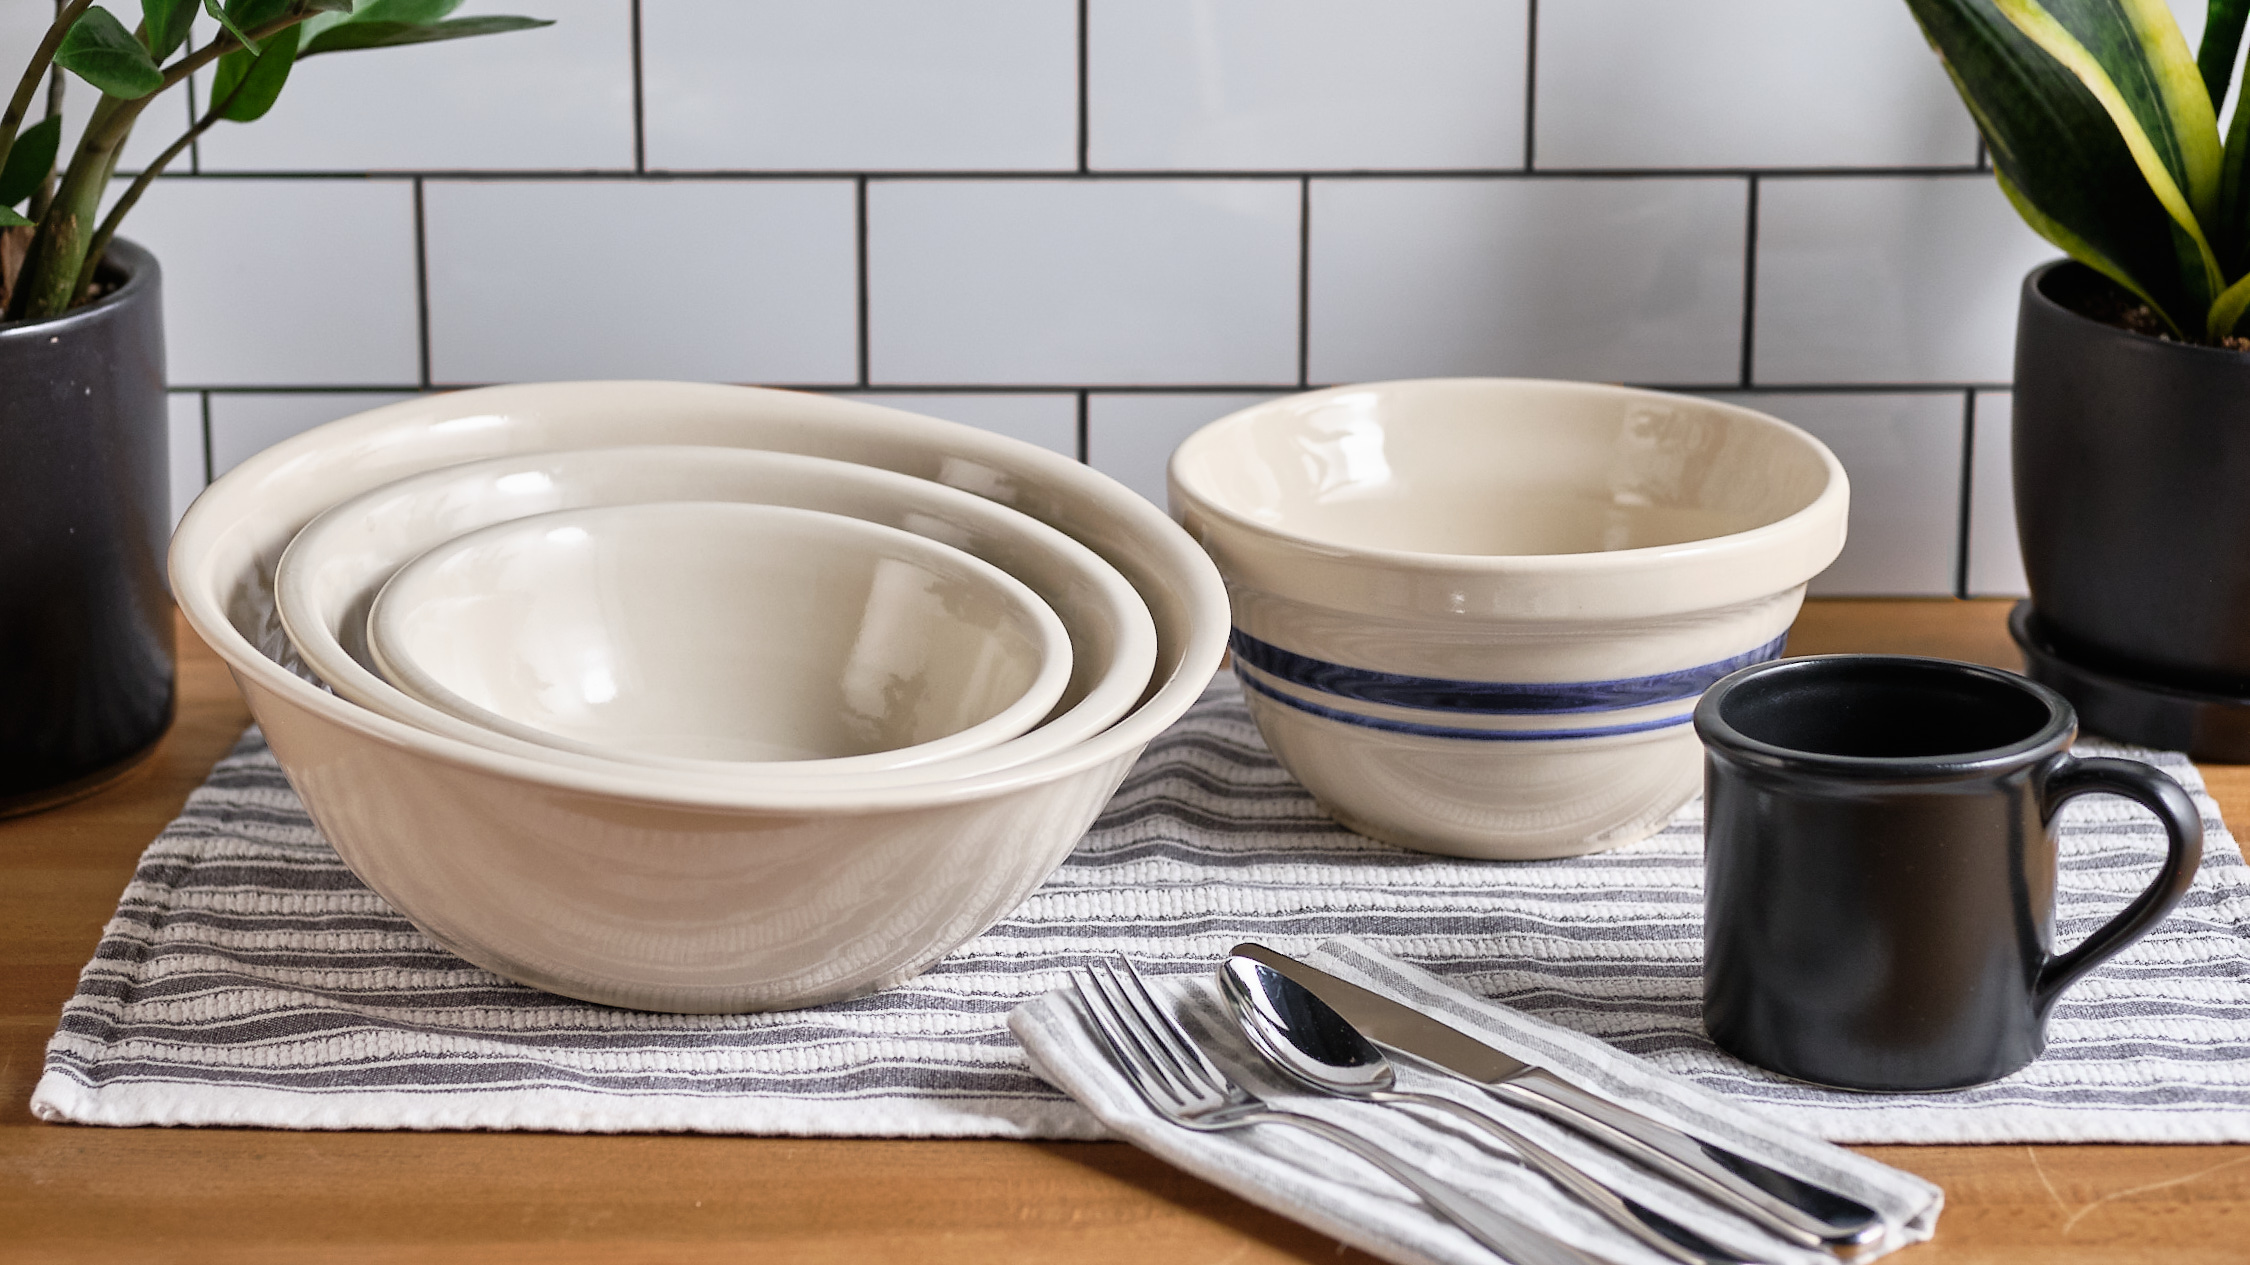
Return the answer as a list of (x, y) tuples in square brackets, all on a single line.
[(1181, 1084)]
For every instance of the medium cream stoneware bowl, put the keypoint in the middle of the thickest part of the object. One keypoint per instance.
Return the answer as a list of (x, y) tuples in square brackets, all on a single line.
[(329, 574), (1473, 616), (704, 899), (717, 634)]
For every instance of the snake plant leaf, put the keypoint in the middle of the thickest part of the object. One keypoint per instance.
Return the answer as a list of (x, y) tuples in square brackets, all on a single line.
[(247, 83), (164, 25), (99, 50), (346, 36), (10, 218), (2056, 149), (2131, 56), (2222, 41), (29, 161), (2227, 309)]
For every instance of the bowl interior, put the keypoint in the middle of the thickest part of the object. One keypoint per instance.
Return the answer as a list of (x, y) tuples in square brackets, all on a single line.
[(227, 547), (722, 631), (1488, 467), (330, 573)]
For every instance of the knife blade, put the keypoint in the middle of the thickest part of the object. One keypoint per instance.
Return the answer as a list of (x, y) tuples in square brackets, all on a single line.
[(1796, 1210)]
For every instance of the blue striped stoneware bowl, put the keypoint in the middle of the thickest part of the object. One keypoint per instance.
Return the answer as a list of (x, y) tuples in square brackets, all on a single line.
[(1473, 616)]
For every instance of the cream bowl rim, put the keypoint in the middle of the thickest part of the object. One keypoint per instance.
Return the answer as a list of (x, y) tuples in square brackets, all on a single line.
[(1590, 562), (213, 519)]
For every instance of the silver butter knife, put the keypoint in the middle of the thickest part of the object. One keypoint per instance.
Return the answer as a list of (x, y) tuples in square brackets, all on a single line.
[(1793, 1209)]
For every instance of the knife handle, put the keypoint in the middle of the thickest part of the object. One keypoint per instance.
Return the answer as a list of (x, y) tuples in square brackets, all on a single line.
[(1798, 1211)]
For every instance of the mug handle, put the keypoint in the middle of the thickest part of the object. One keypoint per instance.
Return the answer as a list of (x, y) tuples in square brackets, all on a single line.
[(2069, 777)]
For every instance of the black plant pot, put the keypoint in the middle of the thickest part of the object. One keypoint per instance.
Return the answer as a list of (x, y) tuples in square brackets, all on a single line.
[(85, 621), (2132, 471)]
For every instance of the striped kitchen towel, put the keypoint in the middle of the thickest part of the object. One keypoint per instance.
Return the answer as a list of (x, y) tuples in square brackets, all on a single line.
[(249, 979)]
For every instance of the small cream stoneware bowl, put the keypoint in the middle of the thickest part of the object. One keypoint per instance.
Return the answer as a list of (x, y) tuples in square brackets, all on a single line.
[(328, 577), (716, 634), (603, 885), (1473, 616)]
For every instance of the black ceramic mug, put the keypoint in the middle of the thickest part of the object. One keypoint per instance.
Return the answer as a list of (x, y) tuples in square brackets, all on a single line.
[(1879, 867)]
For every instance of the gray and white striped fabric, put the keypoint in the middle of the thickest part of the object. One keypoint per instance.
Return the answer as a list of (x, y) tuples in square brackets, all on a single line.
[(249, 979)]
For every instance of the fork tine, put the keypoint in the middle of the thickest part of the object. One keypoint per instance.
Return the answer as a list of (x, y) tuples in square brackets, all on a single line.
[(1186, 1053), (1115, 1034), (1161, 1061)]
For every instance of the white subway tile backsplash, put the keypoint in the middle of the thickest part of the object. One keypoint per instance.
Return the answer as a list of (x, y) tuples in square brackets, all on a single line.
[(1071, 281), (183, 437), (1096, 224), (1295, 84), (559, 97), (1742, 83), (1050, 421), (881, 85), (285, 282), (1995, 560), (1130, 438), (1903, 455), (1888, 280), (739, 281), (244, 425), (1636, 280)]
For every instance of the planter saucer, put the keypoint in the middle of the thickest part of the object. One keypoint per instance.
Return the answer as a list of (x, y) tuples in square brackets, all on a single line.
[(2212, 727)]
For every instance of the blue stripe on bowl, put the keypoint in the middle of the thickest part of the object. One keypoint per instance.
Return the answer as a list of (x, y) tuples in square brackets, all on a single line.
[(1490, 698), (1449, 731)]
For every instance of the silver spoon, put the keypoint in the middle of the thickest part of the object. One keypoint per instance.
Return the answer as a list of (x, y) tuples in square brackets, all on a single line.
[(1301, 1035)]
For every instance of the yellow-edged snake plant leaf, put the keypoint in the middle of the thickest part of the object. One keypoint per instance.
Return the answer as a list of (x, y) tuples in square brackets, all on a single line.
[(2064, 161)]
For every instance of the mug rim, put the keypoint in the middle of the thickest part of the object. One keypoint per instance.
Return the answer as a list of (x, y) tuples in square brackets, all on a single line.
[(1719, 735)]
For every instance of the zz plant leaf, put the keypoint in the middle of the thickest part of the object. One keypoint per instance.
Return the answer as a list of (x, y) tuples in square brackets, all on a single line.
[(30, 161), (253, 55), (2103, 131), (247, 84), (102, 52)]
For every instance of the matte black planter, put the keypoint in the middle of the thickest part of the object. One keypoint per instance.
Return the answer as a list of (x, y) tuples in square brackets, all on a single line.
[(85, 621), (2132, 472)]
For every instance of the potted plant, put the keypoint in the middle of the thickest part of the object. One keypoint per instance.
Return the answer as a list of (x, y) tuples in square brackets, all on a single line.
[(2132, 392), (85, 621)]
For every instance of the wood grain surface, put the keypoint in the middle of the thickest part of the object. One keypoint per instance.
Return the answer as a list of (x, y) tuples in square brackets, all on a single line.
[(70, 1193)]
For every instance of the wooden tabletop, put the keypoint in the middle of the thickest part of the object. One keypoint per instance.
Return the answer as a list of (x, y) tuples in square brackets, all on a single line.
[(70, 1193)]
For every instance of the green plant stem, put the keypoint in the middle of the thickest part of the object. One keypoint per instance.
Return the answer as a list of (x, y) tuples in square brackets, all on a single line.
[(49, 281), (41, 58), (96, 248)]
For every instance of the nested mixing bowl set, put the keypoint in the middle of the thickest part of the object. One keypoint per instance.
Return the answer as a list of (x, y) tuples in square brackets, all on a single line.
[(707, 698)]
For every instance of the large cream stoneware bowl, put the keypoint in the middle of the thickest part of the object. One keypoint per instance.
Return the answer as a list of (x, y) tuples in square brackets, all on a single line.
[(696, 899), (1473, 616), (329, 575), (718, 634)]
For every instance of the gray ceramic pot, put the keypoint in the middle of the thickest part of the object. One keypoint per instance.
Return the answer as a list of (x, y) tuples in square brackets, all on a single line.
[(2132, 473), (85, 620)]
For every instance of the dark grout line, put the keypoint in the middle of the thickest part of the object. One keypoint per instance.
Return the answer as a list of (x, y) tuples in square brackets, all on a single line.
[(195, 147), (421, 286), (205, 396), (1968, 486), (1085, 430), (1122, 388), (1085, 114), (1750, 284), (859, 213), (640, 128), (1304, 282), (1822, 388), (531, 175), (1530, 79)]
